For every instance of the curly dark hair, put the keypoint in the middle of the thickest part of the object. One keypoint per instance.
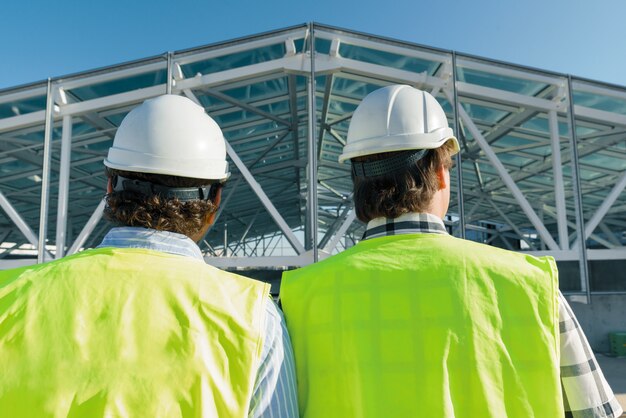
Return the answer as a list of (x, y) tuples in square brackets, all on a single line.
[(407, 191), (128, 208)]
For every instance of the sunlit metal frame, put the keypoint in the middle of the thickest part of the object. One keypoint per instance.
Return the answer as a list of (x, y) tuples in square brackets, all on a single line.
[(338, 224)]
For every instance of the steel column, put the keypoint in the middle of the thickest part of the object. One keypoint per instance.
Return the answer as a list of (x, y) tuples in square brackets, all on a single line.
[(64, 185), (578, 197), (559, 187), (459, 160), (45, 184), (312, 152), (168, 83)]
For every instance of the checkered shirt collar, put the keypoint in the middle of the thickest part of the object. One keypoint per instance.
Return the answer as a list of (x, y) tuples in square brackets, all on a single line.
[(408, 223)]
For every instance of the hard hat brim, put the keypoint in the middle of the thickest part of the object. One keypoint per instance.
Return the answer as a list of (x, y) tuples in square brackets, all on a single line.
[(401, 142), (151, 164)]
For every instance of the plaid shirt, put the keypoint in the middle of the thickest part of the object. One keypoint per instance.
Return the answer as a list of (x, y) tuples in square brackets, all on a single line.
[(586, 393)]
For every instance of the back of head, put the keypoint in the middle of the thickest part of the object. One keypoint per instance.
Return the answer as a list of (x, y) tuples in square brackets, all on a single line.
[(166, 165), (397, 139)]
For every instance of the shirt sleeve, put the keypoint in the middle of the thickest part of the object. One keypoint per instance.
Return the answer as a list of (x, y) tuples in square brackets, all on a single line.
[(275, 393), (586, 392)]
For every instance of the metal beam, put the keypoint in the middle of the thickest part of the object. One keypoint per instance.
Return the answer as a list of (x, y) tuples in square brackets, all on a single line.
[(606, 205), (64, 185), (169, 80), (332, 244), (512, 225), (45, 183), (312, 223), (327, 94), (22, 121), (506, 178), (600, 115), (610, 235), (88, 228), (18, 221), (410, 51), (578, 197), (559, 187), (507, 72), (459, 160), (228, 99), (336, 221), (550, 211), (258, 190), (516, 99)]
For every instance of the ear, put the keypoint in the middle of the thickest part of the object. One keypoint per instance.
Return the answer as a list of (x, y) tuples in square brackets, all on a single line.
[(216, 198), (109, 185), (443, 177)]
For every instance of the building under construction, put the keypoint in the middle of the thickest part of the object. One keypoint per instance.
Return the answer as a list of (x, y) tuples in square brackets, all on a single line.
[(542, 167)]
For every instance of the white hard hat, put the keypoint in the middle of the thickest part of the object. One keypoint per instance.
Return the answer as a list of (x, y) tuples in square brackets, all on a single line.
[(170, 135), (397, 118)]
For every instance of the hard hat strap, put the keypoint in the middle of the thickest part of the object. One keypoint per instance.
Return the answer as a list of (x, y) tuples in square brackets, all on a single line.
[(181, 193), (398, 162)]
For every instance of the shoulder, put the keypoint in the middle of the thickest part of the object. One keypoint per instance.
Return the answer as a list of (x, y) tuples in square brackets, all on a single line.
[(25, 272)]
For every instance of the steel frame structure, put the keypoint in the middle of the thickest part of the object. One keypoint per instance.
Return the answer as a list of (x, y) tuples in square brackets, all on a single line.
[(543, 154)]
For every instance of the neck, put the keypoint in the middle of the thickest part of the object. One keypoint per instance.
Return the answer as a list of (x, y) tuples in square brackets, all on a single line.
[(439, 204)]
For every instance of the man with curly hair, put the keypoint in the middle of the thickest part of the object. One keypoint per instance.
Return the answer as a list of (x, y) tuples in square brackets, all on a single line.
[(141, 326)]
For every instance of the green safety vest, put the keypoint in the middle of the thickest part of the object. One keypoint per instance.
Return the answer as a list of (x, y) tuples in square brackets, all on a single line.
[(118, 332), (425, 325)]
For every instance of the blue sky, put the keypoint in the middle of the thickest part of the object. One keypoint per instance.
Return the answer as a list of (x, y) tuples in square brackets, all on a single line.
[(43, 39)]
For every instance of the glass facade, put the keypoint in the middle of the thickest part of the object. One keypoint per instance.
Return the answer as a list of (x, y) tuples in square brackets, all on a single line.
[(542, 167)]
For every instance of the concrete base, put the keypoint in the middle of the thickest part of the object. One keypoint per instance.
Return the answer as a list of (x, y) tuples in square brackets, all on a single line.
[(606, 313)]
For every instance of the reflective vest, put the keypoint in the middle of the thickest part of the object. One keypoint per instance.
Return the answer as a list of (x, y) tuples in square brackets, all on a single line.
[(425, 325), (128, 333)]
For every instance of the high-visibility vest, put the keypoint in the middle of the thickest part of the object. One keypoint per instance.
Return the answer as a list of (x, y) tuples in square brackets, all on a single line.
[(128, 332), (425, 325)]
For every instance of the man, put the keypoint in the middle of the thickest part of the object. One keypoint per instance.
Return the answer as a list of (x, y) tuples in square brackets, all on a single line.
[(141, 326), (412, 322)]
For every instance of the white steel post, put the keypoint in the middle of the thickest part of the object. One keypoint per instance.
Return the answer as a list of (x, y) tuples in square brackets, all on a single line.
[(168, 83), (64, 185), (578, 197), (559, 188), (459, 160), (312, 152), (45, 184)]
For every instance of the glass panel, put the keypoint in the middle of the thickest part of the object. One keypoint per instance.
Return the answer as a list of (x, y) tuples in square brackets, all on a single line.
[(120, 85), (21, 107), (234, 60), (500, 82), (389, 59), (596, 101)]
